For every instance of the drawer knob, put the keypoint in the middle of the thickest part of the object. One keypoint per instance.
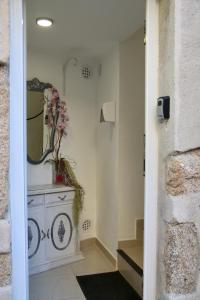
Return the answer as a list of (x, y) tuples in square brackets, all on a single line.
[(62, 198)]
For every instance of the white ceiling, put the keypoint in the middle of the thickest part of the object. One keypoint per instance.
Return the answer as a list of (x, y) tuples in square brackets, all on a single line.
[(87, 26)]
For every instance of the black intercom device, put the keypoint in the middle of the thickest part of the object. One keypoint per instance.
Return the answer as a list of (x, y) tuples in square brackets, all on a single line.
[(163, 108)]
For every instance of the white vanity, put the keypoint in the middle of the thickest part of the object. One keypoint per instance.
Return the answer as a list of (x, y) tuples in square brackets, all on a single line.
[(52, 239)]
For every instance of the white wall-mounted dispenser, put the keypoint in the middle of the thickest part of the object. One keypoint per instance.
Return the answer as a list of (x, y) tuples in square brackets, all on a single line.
[(108, 112)]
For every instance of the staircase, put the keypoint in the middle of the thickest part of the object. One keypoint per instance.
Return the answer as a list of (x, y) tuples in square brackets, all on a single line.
[(130, 258)]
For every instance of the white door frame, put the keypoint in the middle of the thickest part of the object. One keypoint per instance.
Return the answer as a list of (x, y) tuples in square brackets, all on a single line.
[(17, 177), (151, 150), (18, 161)]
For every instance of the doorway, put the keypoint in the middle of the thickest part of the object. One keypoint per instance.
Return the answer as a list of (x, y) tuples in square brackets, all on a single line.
[(146, 133)]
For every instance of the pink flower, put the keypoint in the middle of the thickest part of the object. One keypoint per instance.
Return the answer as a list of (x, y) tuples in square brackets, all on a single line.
[(56, 105)]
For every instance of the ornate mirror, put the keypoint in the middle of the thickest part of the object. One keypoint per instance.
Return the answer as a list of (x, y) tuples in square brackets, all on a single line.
[(40, 138)]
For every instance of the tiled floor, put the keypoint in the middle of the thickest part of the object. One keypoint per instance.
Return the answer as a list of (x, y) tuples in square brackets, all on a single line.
[(61, 283)]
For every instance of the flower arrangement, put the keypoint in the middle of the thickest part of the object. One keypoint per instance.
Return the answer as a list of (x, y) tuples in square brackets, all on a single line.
[(69, 179), (57, 118)]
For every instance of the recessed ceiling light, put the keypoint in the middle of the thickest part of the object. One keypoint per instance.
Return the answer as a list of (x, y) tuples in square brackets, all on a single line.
[(44, 22)]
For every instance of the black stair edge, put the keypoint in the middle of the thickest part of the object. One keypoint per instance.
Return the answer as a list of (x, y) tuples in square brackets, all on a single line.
[(130, 262)]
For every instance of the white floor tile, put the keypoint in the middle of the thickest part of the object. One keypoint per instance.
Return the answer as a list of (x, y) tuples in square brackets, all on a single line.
[(61, 283), (56, 284), (95, 262)]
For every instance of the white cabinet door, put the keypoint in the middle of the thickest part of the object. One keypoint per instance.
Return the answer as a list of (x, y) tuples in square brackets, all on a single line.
[(36, 236), (60, 240)]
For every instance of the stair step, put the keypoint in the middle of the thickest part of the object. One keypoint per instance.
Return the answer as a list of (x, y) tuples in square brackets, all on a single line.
[(131, 271), (131, 262)]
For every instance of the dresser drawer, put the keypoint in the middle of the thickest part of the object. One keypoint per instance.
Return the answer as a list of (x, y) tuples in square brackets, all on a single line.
[(59, 198), (35, 200)]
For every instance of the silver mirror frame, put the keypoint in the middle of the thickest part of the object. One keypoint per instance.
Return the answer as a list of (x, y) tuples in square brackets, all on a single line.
[(37, 86)]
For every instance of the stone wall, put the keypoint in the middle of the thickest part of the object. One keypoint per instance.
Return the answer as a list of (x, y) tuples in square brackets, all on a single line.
[(179, 155), (5, 261)]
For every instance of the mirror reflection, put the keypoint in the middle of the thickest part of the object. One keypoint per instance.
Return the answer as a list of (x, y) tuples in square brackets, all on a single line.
[(35, 128), (40, 138)]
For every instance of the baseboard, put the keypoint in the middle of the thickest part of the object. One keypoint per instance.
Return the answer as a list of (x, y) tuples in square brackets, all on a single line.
[(87, 243), (107, 253), (55, 264), (140, 229), (84, 244)]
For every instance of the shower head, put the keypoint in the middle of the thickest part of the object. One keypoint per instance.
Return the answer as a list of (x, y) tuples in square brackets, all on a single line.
[(75, 62), (73, 58)]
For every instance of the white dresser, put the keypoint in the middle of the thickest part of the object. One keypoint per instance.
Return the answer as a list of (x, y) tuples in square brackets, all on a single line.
[(52, 239)]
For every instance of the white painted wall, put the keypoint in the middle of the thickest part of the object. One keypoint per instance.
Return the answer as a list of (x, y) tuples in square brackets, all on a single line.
[(131, 134), (80, 144), (107, 156), (120, 146)]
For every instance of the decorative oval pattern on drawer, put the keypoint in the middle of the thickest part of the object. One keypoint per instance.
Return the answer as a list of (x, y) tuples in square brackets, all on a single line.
[(61, 231), (35, 200), (59, 198), (33, 237)]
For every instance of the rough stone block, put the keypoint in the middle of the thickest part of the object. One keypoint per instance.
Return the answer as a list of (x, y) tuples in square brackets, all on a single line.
[(4, 31), (5, 293), (4, 138), (183, 173), (181, 258), (4, 236), (5, 270)]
